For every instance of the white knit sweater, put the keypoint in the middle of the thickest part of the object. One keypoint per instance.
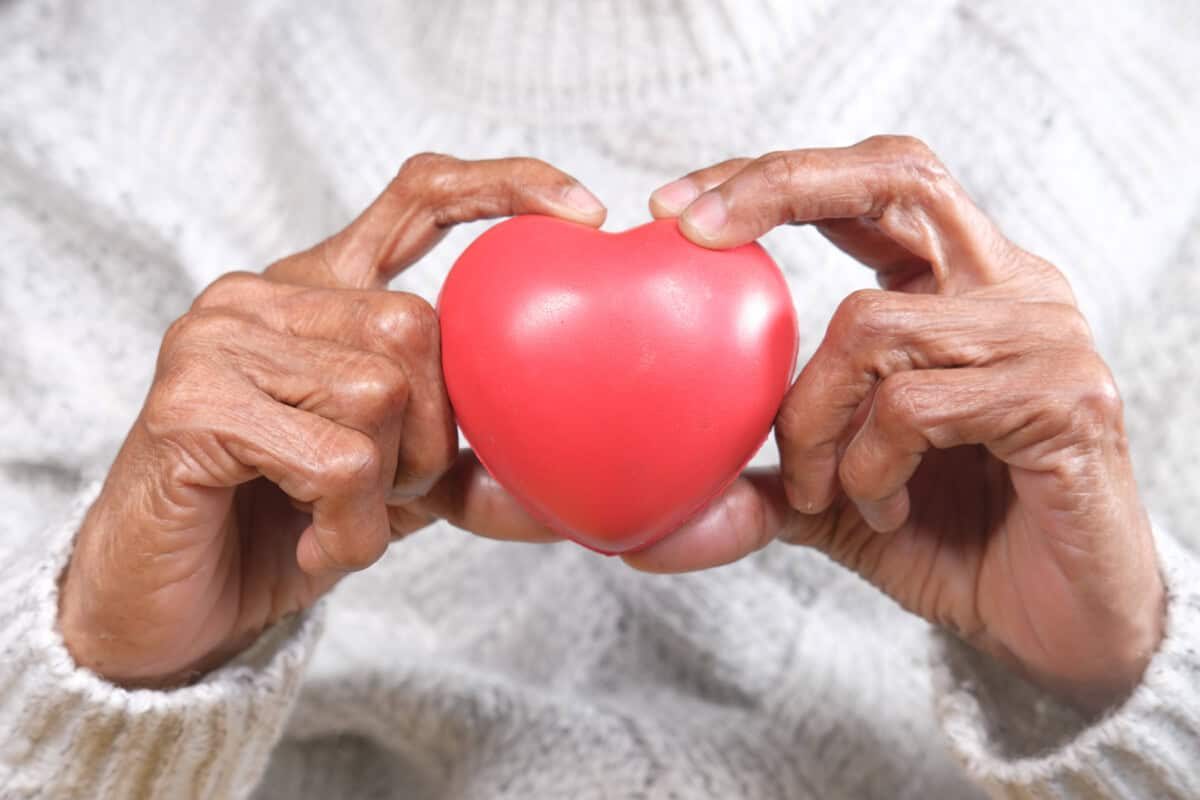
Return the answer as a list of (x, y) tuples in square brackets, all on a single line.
[(146, 147)]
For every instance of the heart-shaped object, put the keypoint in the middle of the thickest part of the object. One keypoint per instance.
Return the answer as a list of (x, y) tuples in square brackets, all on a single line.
[(614, 383)]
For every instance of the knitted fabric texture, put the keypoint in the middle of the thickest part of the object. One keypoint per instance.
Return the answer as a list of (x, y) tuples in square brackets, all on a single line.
[(146, 148)]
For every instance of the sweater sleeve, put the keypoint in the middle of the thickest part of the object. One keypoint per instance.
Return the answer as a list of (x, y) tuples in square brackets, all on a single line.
[(1019, 742), (69, 733)]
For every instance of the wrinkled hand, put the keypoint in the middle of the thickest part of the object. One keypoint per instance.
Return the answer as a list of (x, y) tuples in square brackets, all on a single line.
[(297, 423), (955, 439)]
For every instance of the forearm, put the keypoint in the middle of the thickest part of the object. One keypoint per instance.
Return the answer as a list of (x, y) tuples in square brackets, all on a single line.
[(72, 733)]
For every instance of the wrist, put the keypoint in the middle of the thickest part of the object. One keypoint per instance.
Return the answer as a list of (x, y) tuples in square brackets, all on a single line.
[(1107, 681), (98, 646), (96, 623), (88, 638)]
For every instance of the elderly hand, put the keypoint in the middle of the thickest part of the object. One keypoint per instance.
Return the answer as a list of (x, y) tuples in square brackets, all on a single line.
[(955, 439), (297, 423)]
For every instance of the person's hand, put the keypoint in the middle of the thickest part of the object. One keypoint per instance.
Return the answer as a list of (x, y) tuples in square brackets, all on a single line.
[(955, 439), (296, 424)]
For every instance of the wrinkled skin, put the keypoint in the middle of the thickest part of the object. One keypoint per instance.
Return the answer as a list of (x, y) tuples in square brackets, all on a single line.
[(297, 424), (955, 439)]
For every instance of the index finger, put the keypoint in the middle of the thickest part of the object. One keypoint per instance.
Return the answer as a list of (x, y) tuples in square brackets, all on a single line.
[(894, 180), (429, 195)]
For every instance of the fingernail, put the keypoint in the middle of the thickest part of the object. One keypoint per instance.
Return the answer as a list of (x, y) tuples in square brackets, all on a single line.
[(409, 490), (675, 196), (583, 201), (798, 501), (707, 215)]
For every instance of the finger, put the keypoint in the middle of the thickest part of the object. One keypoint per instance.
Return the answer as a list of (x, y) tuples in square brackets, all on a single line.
[(334, 468), (671, 199), (875, 334), (746, 517), (429, 195), (357, 388), (1036, 412), (468, 497), (874, 472), (402, 327), (322, 422), (895, 267), (895, 181), (350, 529), (858, 237)]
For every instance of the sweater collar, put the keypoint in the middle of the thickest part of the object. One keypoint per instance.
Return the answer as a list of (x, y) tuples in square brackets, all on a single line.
[(580, 60)]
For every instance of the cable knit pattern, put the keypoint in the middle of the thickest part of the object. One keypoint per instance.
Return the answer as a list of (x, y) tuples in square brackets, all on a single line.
[(147, 147)]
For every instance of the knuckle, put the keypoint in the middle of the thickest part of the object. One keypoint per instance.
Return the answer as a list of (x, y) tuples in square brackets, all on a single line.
[(854, 477), (208, 328), (861, 314), (161, 413), (381, 386), (1097, 407), (422, 165), (177, 333), (191, 370), (429, 463), (927, 177), (232, 289), (780, 169), (192, 328), (1080, 406), (174, 400), (899, 145), (1043, 280), (789, 424), (1072, 326), (864, 306), (407, 326), (897, 401), (425, 173), (355, 466)]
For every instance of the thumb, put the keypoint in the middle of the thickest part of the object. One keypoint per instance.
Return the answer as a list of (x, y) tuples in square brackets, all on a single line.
[(745, 518)]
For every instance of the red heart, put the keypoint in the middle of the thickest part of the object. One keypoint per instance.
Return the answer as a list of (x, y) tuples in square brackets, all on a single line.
[(614, 383)]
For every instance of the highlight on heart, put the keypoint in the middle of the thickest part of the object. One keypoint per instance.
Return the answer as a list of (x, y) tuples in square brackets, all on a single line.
[(614, 384)]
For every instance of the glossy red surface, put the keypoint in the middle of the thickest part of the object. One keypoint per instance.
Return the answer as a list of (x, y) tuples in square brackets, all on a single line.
[(614, 383)]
